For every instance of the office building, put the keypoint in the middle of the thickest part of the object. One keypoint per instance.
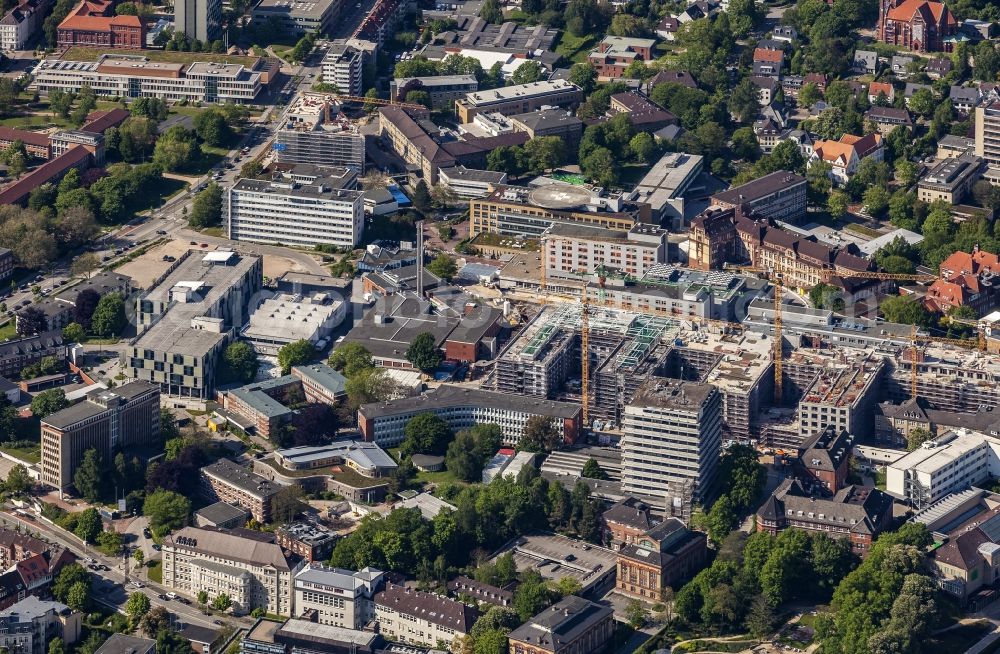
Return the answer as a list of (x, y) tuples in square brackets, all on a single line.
[(666, 185), (313, 542), (93, 23), (294, 214), (780, 195), (123, 418), (470, 184), (951, 180), (21, 23), (519, 99), (364, 458), (856, 513), (338, 597), (549, 122), (30, 625), (299, 16), (129, 76), (226, 481), (673, 433), (575, 251), (663, 556), (523, 211), (444, 90), (418, 618), (462, 408), (199, 19), (315, 132), (254, 573), (615, 53), (186, 317), (947, 464), (572, 625), (987, 138)]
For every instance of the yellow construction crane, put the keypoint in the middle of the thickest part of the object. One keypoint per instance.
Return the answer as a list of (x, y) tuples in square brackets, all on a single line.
[(776, 277), (585, 356)]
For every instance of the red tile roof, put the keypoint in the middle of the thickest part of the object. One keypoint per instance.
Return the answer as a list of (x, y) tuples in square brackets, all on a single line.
[(26, 137), (772, 56), (101, 121), (48, 171)]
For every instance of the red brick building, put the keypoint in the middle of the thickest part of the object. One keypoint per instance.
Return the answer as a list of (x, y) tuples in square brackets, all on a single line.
[(918, 25), (662, 557), (94, 23), (826, 457), (625, 522), (614, 54)]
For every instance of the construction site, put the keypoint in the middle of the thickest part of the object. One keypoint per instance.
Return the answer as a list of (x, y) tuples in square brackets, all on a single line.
[(819, 384)]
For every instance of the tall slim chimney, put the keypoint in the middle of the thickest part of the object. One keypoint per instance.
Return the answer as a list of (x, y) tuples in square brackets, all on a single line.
[(420, 258)]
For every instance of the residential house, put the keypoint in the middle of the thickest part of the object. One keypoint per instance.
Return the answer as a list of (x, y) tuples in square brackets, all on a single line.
[(844, 156), (767, 88), (768, 62), (784, 33), (912, 88), (965, 98), (865, 62), (967, 279), (938, 67), (889, 118), (643, 114), (881, 93), (681, 77), (668, 27)]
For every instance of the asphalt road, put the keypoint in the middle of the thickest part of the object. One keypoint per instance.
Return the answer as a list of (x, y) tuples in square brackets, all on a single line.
[(109, 587)]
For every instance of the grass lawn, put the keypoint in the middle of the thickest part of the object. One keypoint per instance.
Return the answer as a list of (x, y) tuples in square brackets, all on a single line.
[(9, 330), (213, 231), (29, 454), (155, 571), (576, 48), (960, 638), (93, 54), (36, 121), (861, 229), (443, 477)]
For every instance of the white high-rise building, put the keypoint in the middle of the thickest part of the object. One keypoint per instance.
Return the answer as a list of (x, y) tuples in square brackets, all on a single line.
[(290, 213), (673, 434)]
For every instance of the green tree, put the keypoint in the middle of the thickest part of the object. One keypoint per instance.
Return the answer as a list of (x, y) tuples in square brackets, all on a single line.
[(57, 646), (287, 504), (351, 358), (837, 204), (202, 597), (421, 197), (138, 605), (760, 618), (89, 477), (368, 385), (221, 602), (48, 402), (166, 511), (139, 557), (490, 12), (74, 333), (528, 72), (423, 353), (539, 435), (906, 310), (544, 153), (745, 145), (212, 128), (68, 576), (825, 296), (877, 200), (18, 480), (592, 470), (110, 543), (636, 613), (89, 525), (79, 596), (425, 433), (916, 438), (206, 210), (176, 149), (906, 172), (584, 75), (109, 316), (809, 94), (240, 362), (297, 353), (443, 266)]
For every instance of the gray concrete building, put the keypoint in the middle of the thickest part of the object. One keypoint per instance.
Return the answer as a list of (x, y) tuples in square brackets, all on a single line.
[(340, 598), (199, 19), (186, 318)]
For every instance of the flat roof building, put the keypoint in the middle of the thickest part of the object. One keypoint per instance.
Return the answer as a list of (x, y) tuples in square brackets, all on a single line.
[(951, 180), (666, 184), (221, 515), (286, 318), (518, 99), (225, 481), (468, 184), (946, 464), (316, 132), (780, 195), (341, 598), (299, 16), (184, 320), (444, 90), (574, 251)]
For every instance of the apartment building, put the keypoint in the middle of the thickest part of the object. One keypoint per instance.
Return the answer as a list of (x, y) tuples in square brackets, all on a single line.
[(93, 23), (418, 618), (338, 597), (226, 481), (519, 99), (186, 318), (315, 132), (949, 463), (444, 90), (123, 418), (951, 180), (462, 408), (252, 572), (342, 66), (572, 625), (987, 135), (887, 119), (521, 211), (615, 53), (856, 513), (661, 557), (18, 354), (575, 251), (299, 16), (127, 76), (21, 23), (289, 213), (780, 195), (199, 19), (30, 625), (672, 433)]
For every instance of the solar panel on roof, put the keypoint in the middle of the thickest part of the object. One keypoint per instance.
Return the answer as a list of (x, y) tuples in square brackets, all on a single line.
[(992, 528)]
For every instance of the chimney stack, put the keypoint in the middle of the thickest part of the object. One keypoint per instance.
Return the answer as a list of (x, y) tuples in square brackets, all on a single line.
[(420, 259)]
